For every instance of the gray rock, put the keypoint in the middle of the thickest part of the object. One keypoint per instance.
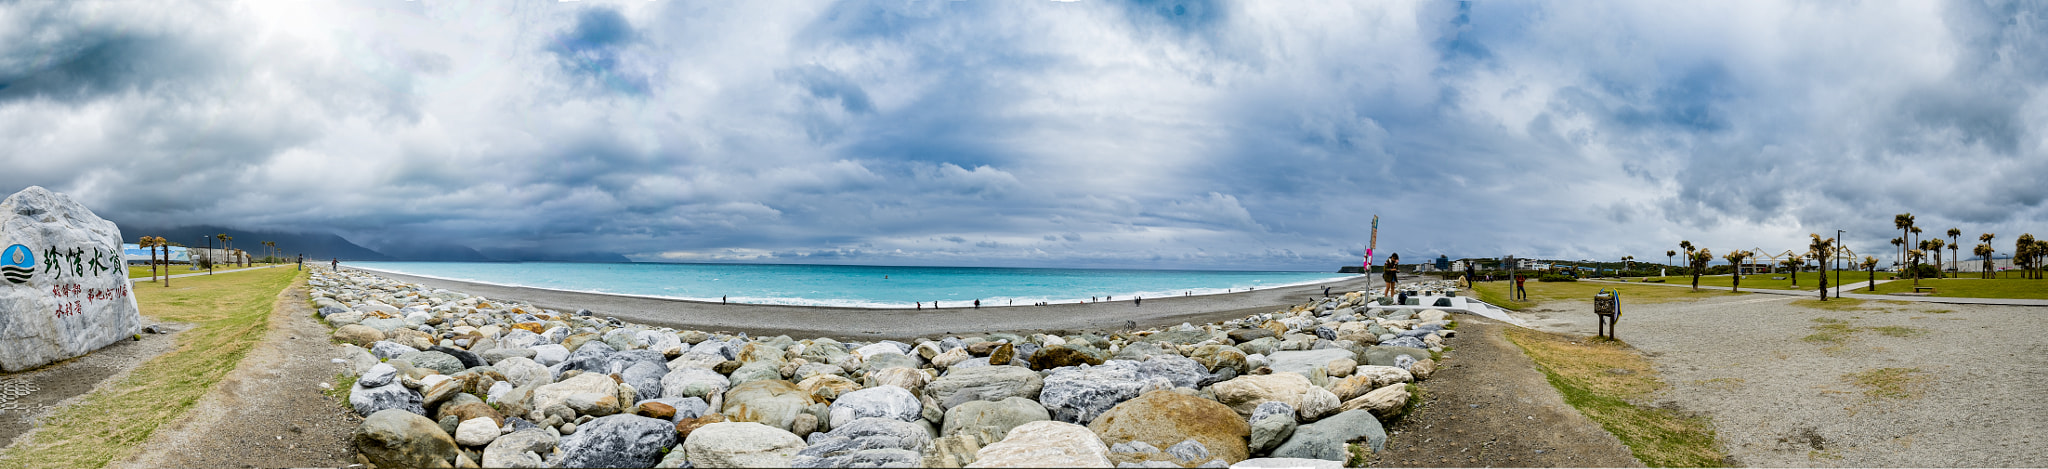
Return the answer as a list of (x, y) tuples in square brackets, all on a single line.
[(1301, 361), (1272, 423), (524, 372), (1383, 355), (645, 378), (757, 371), (693, 382), (378, 375), (1287, 463), (1137, 351), (712, 347), (883, 401), (1189, 450), (1078, 394), (618, 441), (961, 385), (345, 318), (468, 360), (370, 400), (1261, 346), (1325, 439), (686, 407), (1147, 464), (1183, 372), (395, 438), (886, 360), (1410, 342), (1178, 337), (550, 354), (741, 444), (385, 325), (994, 417), (510, 450), (441, 362), (1134, 447), (498, 355), (385, 349), (520, 338)]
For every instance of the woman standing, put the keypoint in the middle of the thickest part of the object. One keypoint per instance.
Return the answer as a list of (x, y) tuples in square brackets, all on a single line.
[(1393, 263)]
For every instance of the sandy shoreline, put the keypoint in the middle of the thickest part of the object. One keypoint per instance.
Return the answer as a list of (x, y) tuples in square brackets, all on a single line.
[(866, 323)]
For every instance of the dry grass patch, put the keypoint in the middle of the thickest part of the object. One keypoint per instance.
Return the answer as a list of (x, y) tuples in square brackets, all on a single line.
[(1889, 383), (1585, 372), (230, 314), (1899, 331), (1832, 304)]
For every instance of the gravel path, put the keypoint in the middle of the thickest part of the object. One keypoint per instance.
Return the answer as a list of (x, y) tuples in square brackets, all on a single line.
[(1489, 407), (1778, 400), (269, 411)]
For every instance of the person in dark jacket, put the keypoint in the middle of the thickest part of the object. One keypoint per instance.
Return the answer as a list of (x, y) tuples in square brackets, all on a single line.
[(1393, 263)]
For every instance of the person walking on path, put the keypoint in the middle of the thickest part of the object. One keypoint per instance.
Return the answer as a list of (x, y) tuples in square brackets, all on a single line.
[(1326, 292), (334, 265), (1521, 293), (1471, 273), (302, 262), (1393, 263)]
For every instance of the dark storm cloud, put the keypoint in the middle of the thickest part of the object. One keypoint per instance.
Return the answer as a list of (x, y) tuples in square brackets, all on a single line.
[(1132, 134)]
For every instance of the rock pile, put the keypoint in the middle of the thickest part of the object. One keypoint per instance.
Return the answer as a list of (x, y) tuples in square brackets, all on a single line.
[(449, 379)]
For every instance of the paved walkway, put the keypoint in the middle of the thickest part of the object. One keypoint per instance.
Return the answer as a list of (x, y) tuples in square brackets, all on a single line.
[(1866, 296), (146, 279)]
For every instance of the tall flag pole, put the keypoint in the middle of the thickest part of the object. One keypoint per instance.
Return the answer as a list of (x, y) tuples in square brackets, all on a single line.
[(1375, 243)]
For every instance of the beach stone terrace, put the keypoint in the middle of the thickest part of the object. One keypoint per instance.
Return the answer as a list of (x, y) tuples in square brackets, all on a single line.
[(493, 383)]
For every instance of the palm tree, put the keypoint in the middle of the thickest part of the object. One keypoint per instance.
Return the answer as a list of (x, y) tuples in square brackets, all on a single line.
[(1955, 246), (1687, 246), (1668, 255), (1735, 259), (1870, 265), (1917, 259), (149, 242), (1914, 255), (1935, 245), (1792, 264), (1904, 222), (2024, 254), (1698, 260), (1984, 251), (1822, 249), (1986, 238)]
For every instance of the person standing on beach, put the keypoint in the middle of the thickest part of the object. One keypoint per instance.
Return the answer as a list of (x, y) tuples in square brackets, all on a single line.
[(302, 262), (977, 303), (1326, 292), (1393, 263), (1139, 301), (334, 265)]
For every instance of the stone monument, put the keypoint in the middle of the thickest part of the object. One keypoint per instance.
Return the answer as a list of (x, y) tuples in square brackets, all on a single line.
[(64, 288)]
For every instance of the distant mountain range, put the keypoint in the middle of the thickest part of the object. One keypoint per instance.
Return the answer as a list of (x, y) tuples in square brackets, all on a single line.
[(330, 246)]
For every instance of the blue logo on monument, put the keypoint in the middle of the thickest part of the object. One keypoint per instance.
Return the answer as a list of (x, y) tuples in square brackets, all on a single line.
[(18, 264)]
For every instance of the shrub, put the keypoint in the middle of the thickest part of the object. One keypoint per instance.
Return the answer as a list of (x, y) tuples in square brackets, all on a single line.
[(1551, 277)]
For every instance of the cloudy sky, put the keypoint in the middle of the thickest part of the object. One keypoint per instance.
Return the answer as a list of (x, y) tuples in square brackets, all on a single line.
[(1211, 135)]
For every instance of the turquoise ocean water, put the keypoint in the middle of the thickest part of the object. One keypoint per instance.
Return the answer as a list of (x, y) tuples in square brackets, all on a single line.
[(853, 286)]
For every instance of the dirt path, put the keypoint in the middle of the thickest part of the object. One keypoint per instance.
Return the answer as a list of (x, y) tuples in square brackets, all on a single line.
[(1488, 406), (269, 411)]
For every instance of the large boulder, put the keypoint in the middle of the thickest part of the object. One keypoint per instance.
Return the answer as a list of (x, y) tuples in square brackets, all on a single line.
[(1299, 361), (883, 401), (65, 291), (693, 382), (984, 383), (775, 403), (358, 335), (618, 441), (1326, 439), (1272, 423), (867, 442), (396, 438), (558, 393), (1166, 418), (1245, 393), (1078, 394), (510, 449), (1045, 444), (368, 398), (1385, 355), (1384, 402), (994, 417), (741, 444), (439, 362), (1183, 372), (1219, 357)]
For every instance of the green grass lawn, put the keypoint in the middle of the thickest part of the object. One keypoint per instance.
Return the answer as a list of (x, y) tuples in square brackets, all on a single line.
[(1972, 288), (229, 314), (1807, 280), (1496, 293), (177, 269)]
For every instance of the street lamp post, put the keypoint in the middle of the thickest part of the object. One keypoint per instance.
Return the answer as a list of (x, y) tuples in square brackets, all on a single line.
[(1837, 263)]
